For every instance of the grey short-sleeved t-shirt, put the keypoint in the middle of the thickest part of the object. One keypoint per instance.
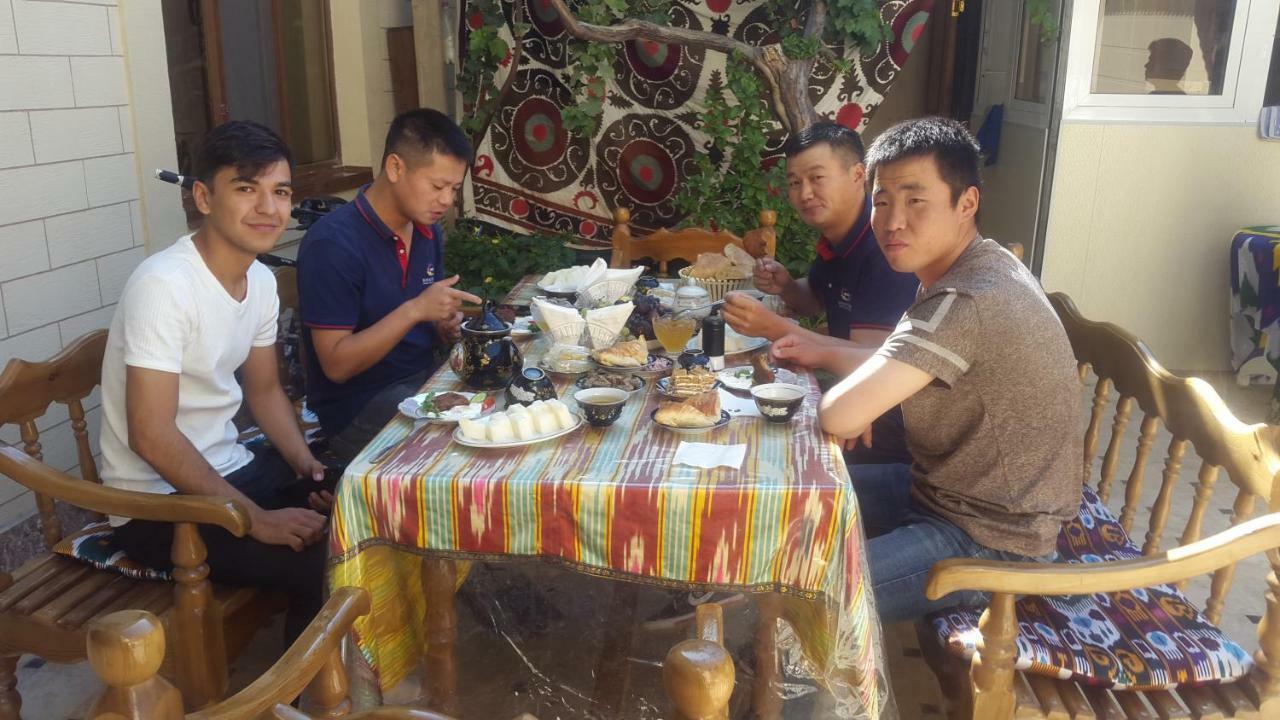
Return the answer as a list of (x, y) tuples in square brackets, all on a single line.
[(996, 436)]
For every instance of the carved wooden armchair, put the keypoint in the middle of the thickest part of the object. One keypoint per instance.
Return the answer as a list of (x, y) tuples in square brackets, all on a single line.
[(664, 245), (1142, 584), (51, 600), (126, 649)]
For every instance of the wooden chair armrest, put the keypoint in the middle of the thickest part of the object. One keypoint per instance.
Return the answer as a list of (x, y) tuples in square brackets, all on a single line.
[(203, 509), (284, 680), (1180, 563)]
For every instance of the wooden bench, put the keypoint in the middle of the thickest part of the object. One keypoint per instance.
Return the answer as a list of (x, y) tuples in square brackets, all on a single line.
[(49, 602), (989, 688), (127, 647)]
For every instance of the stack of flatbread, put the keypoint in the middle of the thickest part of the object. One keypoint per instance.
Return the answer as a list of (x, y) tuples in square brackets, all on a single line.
[(733, 264), (702, 410)]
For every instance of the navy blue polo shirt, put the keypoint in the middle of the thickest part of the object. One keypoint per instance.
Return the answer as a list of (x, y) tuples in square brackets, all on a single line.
[(353, 271), (857, 287)]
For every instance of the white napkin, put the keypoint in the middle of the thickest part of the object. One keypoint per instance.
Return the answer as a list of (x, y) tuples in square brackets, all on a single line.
[(607, 323), (618, 283), (552, 318), (708, 455), (738, 406), (594, 274)]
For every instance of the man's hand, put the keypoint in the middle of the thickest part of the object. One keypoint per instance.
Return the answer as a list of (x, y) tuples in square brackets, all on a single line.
[(799, 350), (440, 301), (450, 331), (309, 467), (295, 527), (771, 276), (748, 316), (851, 444)]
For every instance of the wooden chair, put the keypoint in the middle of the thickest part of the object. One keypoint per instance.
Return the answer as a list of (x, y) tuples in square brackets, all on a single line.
[(126, 649), (1198, 420), (665, 245), (51, 599)]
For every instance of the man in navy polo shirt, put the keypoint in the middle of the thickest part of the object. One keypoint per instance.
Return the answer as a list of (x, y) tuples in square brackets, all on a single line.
[(372, 285), (850, 280)]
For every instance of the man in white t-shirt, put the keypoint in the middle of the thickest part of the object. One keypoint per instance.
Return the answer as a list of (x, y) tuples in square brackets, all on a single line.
[(190, 316)]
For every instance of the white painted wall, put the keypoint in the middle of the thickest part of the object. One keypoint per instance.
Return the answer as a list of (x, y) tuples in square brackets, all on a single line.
[(362, 74), (71, 216)]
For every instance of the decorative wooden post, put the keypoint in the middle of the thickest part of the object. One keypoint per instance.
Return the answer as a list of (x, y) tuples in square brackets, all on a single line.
[(200, 654), (698, 674), (621, 239), (126, 650), (329, 688), (50, 526), (992, 668)]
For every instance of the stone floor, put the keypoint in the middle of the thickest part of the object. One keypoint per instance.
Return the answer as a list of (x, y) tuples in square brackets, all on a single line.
[(500, 674)]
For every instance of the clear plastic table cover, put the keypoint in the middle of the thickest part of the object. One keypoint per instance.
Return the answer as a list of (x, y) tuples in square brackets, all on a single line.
[(577, 564)]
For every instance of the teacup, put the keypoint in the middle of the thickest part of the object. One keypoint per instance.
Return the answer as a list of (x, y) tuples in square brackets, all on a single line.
[(778, 402), (601, 406)]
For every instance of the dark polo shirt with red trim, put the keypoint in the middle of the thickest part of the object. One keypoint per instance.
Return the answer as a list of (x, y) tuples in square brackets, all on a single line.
[(353, 271), (857, 287)]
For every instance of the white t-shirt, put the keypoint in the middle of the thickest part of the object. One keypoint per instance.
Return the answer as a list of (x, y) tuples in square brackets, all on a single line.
[(174, 316)]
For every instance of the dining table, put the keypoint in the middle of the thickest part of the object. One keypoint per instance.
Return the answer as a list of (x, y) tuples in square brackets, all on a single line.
[(417, 514)]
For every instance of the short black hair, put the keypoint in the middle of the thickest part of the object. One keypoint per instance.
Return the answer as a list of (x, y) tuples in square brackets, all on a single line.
[(839, 137), (424, 132), (243, 144), (948, 142)]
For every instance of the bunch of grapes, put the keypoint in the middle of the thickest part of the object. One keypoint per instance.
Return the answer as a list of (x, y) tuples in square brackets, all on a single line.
[(640, 324)]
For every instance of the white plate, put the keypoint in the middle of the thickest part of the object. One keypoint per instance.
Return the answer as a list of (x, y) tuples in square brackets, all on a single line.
[(576, 367), (734, 343), (412, 407), (462, 440), (729, 378), (724, 420), (524, 327)]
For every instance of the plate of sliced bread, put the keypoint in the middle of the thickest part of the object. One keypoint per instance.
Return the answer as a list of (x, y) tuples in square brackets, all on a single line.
[(518, 425), (696, 414)]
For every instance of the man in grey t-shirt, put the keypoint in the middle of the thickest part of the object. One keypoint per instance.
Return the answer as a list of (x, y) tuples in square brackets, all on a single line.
[(984, 373)]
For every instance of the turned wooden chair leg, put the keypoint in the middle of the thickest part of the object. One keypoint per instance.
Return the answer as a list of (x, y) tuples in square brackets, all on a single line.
[(439, 579), (1265, 680), (10, 701), (992, 670), (766, 698), (199, 649)]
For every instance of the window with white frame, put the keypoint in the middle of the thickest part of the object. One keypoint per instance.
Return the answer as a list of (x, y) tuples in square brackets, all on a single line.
[(1169, 60), (1147, 47)]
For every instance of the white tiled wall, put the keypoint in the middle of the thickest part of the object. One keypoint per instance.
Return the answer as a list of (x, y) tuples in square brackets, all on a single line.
[(70, 220)]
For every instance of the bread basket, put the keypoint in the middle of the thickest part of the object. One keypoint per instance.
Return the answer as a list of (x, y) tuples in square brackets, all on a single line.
[(716, 288)]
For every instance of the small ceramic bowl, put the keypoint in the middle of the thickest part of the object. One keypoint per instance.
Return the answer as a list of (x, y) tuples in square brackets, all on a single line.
[(601, 406), (778, 402)]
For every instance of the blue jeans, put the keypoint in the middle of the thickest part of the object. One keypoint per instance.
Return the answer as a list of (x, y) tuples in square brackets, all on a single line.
[(904, 542)]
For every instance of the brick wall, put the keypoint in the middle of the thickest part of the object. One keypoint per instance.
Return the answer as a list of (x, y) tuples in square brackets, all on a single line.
[(70, 225)]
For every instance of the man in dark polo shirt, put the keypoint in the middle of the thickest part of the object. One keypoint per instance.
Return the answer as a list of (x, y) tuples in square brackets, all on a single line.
[(850, 281), (371, 280)]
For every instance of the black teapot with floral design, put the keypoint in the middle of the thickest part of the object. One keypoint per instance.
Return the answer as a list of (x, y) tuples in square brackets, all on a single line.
[(486, 357)]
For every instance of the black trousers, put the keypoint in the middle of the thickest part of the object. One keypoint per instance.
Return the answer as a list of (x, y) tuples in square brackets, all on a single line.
[(271, 483), (348, 442)]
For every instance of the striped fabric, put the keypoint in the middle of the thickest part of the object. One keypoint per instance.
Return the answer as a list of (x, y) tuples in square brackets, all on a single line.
[(609, 502)]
